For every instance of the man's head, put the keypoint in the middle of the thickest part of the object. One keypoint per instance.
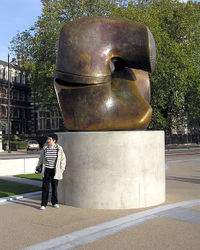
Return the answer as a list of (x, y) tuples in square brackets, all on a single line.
[(52, 139)]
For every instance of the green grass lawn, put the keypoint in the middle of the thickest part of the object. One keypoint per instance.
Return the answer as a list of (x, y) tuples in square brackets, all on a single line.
[(9, 188), (35, 177)]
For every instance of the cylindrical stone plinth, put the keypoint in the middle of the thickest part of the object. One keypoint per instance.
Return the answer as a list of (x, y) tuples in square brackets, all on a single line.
[(113, 169)]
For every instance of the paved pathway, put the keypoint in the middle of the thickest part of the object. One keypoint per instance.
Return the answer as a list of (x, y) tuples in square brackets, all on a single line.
[(178, 211), (174, 225)]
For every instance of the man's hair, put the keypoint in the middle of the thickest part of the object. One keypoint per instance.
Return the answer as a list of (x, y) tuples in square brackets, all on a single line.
[(53, 136)]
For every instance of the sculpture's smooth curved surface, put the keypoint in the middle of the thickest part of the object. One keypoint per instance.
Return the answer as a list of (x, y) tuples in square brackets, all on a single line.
[(101, 76)]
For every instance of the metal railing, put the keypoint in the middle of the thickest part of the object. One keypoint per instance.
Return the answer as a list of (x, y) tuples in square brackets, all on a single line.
[(183, 139)]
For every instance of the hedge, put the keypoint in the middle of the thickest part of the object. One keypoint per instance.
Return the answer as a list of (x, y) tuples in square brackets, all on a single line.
[(15, 145)]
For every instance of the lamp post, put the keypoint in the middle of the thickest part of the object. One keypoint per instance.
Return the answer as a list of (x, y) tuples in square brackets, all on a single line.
[(9, 150)]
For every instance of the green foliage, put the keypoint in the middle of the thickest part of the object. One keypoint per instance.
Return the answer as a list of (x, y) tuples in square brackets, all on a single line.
[(175, 26), (38, 45), (15, 145)]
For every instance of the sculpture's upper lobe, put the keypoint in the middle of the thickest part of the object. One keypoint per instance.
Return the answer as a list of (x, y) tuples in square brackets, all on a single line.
[(101, 77)]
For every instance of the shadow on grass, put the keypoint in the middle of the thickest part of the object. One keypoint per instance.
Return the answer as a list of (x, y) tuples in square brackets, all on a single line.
[(11, 188)]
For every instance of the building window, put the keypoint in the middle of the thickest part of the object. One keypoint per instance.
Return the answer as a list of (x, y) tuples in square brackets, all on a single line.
[(11, 94), (4, 93), (48, 124), (1, 73), (17, 79), (3, 112), (23, 80), (15, 94), (21, 94)]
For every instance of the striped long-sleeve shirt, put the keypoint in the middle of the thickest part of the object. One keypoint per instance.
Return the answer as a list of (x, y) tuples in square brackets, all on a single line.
[(51, 155)]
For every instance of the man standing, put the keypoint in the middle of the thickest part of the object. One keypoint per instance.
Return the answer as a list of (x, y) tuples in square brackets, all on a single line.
[(52, 161)]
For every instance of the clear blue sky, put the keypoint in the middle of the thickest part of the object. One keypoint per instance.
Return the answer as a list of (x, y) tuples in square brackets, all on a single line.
[(16, 16)]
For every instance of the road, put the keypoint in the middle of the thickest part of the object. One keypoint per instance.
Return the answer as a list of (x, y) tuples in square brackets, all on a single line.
[(182, 155), (171, 154), (18, 155)]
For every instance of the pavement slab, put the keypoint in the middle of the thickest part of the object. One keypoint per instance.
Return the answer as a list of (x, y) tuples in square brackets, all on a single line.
[(158, 234)]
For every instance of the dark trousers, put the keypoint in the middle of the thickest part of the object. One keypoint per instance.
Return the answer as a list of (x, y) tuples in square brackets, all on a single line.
[(48, 177)]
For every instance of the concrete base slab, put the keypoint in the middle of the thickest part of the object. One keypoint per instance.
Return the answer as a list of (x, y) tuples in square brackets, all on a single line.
[(113, 170)]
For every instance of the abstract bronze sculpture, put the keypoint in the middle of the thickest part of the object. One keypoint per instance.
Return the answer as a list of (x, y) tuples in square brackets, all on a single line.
[(101, 77)]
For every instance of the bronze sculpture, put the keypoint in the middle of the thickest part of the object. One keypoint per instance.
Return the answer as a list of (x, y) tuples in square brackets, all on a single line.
[(101, 77)]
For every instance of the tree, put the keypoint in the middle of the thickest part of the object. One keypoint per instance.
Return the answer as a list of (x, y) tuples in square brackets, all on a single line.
[(175, 26), (37, 46)]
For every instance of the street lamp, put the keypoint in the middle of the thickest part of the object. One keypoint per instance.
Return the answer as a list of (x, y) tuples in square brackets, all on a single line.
[(9, 150)]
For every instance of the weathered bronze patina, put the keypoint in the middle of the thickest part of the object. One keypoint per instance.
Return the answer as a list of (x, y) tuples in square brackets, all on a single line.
[(101, 76)]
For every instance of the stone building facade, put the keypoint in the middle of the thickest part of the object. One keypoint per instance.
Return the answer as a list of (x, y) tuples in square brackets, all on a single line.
[(20, 92), (26, 116)]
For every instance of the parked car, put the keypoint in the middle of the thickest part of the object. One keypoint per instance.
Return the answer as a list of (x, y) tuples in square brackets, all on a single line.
[(33, 145)]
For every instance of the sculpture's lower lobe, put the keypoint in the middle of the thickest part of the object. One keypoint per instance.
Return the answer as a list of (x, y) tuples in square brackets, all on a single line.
[(117, 105)]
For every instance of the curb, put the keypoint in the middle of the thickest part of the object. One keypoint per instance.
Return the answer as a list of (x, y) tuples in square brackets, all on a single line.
[(181, 146)]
